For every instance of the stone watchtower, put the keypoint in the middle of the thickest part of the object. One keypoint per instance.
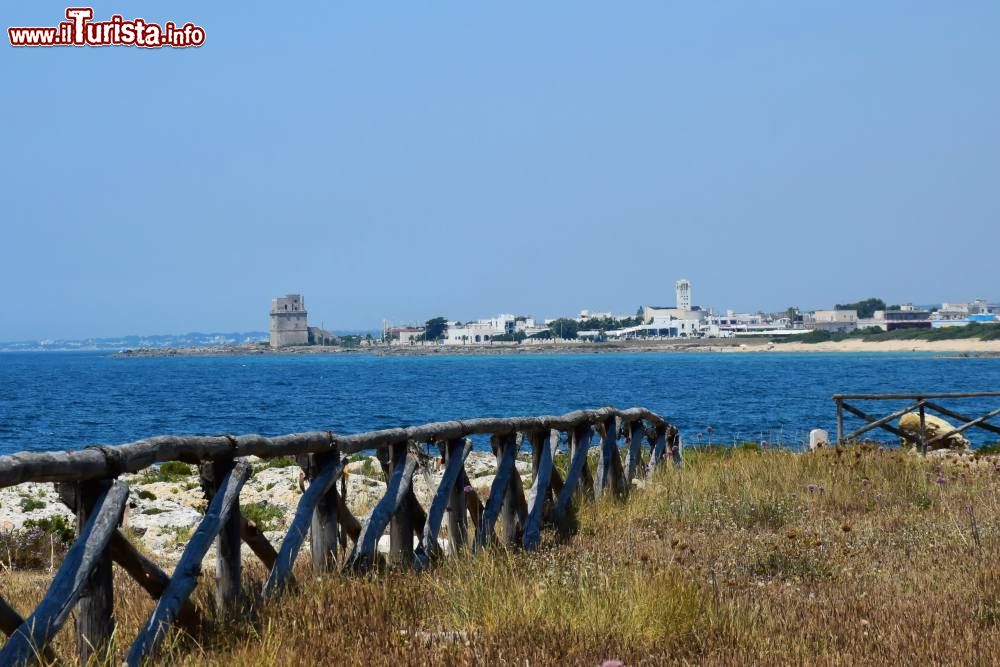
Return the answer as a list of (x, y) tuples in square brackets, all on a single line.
[(288, 321)]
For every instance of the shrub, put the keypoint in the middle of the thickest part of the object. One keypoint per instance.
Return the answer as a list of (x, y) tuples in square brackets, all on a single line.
[(181, 533), (30, 503), (169, 471), (264, 515), (38, 544), (785, 559), (56, 525), (276, 462)]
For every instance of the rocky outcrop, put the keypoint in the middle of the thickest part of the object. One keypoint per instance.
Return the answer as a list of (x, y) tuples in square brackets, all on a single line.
[(933, 427), (162, 514)]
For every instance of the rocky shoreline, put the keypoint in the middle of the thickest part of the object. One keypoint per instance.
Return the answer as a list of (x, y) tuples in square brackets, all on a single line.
[(554, 347), (960, 348), (234, 351), (164, 508)]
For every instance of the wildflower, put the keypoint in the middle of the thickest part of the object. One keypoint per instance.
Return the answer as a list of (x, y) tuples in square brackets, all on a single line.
[(940, 480), (866, 482)]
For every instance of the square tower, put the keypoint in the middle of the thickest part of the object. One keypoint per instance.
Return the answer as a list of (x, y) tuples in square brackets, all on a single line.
[(289, 325), (683, 291)]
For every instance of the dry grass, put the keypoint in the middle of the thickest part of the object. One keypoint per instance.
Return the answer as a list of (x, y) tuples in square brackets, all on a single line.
[(848, 557)]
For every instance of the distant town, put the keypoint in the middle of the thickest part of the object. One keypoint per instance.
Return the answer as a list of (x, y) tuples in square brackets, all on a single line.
[(289, 325), (683, 321)]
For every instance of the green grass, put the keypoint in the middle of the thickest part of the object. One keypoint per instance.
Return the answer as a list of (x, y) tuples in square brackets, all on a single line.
[(276, 462), (974, 330), (169, 471), (265, 515), (31, 503), (56, 525)]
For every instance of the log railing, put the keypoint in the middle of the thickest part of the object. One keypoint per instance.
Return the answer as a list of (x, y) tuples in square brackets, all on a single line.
[(89, 485), (920, 403)]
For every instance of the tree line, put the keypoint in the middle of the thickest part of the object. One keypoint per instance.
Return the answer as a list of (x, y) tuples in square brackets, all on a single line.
[(435, 329)]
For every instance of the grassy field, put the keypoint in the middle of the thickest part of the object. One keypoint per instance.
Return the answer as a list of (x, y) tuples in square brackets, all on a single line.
[(853, 556)]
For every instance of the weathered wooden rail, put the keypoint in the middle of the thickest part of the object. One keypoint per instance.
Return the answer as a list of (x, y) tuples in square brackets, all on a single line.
[(919, 402), (89, 484)]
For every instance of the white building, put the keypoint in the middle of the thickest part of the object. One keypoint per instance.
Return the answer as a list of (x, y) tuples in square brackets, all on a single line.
[(682, 310), (732, 323), (661, 327), (486, 330), (832, 320), (404, 335), (650, 313)]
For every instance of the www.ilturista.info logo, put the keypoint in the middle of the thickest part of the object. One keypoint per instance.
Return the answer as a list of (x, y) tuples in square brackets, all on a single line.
[(81, 30)]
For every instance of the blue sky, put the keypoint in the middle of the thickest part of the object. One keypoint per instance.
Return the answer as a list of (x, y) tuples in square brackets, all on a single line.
[(417, 159)]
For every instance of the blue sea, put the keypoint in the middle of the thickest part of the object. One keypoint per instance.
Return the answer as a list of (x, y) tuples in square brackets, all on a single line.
[(69, 400)]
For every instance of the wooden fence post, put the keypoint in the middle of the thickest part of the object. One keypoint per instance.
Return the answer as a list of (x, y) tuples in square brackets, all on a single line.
[(659, 446), (609, 464), (70, 580), (636, 431), (579, 445), (228, 564), (542, 464), (537, 439), (458, 523), (506, 449), (323, 530), (323, 480), (95, 622), (923, 428), (224, 503), (840, 420), (444, 495), (401, 524), (10, 620), (145, 572), (675, 447), (509, 507)]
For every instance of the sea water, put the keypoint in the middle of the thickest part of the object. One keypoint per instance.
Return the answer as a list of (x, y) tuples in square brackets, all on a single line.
[(69, 400)]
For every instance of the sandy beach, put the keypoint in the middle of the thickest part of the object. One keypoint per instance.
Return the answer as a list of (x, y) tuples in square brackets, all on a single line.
[(948, 347)]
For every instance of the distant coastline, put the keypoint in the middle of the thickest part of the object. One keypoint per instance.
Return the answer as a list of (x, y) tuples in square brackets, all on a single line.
[(956, 348)]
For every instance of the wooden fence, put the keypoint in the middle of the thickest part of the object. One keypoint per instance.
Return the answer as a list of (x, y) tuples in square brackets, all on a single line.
[(919, 402), (89, 485)]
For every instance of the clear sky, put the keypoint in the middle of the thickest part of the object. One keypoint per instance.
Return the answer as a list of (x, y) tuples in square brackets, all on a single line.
[(408, 160)]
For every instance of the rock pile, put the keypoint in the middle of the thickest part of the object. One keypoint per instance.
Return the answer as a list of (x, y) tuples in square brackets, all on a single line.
[(164, 510)]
